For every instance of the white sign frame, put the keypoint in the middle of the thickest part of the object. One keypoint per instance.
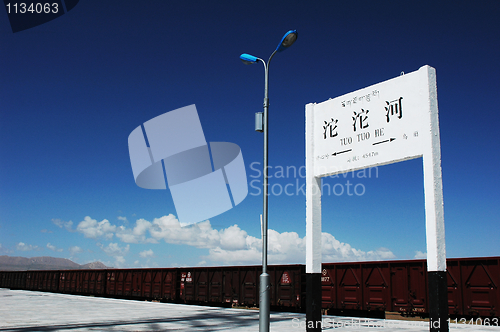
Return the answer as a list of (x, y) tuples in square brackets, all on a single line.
[(413, 133)]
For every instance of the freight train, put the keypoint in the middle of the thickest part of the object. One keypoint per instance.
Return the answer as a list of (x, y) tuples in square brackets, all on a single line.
[(366, 289)]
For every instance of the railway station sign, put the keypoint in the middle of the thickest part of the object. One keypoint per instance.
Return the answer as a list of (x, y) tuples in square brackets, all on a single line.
[(381, 124), (385, 123)]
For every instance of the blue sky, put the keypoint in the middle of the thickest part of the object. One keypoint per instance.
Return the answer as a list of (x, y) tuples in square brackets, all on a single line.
[(73, 89)]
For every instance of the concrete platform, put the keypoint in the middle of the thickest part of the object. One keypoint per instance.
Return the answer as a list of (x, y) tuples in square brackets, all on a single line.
[(39, 311)]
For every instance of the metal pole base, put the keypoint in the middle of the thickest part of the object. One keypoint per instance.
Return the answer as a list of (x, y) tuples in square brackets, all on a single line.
[(438, 301), (264, 302), (313, 302)]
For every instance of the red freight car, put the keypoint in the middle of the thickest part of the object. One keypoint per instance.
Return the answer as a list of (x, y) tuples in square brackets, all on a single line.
[(68, 281), (150, 284), (219, 285), (119, 283), (376, 281), (231, 286), (46, 280), (480, 285), (401, 286), (408, 284), (240, 285), (147, 283), (287, 286), (361, 288), (249, 285)]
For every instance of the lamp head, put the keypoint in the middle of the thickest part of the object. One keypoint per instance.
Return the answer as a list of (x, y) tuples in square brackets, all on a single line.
[(288, 39), (248, 59)]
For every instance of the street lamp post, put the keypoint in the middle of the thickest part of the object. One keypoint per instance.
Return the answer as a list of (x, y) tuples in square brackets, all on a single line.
[(264, 297)]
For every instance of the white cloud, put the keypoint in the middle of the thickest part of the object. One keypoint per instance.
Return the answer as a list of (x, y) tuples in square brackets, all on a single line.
[(123, 219), (119, 261), (285, 247), (169, 229), (230, 245), (335, 251), (137, 234), (288, 248), (66, 224), (146, 253), (380, 254), (420, 255), (25, 247), (75, 250), (53, 248), (90, 228), (248, 256), (233, 238), (113, 249)]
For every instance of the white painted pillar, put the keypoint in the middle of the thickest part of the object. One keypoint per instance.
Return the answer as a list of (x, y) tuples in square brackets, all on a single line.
[(313, 201), (434, 214), (313, 231)]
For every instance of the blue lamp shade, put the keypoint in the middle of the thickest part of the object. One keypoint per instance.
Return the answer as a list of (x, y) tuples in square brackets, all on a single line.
[(248, 59), (288, 39)]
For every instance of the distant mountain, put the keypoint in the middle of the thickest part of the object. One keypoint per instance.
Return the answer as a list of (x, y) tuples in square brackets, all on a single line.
[(8, 263), (94, 265)]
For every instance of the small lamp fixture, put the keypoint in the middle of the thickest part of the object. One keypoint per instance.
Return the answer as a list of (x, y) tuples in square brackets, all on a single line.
[(248, 59), (288, 39)]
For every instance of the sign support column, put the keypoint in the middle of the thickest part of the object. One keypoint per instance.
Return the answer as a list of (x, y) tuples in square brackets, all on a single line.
[(313, 232), (434, 217)]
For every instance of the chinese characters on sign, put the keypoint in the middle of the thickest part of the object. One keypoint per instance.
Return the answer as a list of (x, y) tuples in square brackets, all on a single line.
[(362, 116), (394, 107), (360, 121), (330, 128), (371, 125), (367, 126)]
